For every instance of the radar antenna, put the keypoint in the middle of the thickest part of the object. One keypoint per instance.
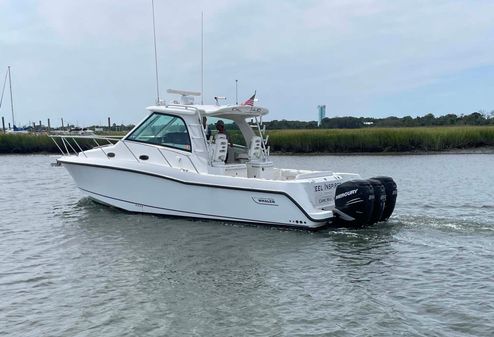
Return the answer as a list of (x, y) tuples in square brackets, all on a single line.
[(186, 96)]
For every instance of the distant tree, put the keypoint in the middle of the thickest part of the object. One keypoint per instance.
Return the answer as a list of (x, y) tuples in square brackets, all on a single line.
[(475, 118), (449, 119), (480, 117), (426, 120), (407, 121), (311, 125), (341, 123), (391, 121)]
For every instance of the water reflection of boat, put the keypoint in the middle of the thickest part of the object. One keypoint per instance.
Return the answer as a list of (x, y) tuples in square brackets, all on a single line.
[(167, 165)]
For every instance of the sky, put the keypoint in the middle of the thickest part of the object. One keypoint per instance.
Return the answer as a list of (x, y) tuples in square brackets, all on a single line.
[(86, 60)]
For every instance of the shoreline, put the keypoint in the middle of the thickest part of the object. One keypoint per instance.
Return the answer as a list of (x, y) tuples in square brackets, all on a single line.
[(473, 150), (488, 150)]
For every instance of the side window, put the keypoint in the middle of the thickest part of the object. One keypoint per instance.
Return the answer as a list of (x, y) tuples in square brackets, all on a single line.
[(165, 130)]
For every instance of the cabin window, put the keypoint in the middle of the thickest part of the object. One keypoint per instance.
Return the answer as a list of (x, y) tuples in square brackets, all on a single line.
[(162, 129)]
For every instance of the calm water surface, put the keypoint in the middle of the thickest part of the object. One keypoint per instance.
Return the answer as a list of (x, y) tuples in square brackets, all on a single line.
[(70, 267)]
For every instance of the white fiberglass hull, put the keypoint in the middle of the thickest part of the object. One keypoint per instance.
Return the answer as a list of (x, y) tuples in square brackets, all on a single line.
[(147, 192)]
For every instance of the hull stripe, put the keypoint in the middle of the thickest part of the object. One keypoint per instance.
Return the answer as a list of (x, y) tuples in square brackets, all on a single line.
[(196, 214)]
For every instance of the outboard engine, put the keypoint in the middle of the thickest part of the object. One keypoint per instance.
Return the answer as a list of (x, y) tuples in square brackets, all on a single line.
[(379, 200), (391, 195), (354, 203)]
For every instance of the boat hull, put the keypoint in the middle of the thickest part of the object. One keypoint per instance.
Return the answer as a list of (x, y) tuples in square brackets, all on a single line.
[(157, 194)]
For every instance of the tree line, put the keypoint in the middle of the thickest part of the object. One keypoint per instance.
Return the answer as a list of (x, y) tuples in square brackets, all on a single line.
[(478, 118), (475, 118)]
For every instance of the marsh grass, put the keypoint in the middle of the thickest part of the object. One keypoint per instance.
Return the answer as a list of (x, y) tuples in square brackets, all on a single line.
[(32, 143), (372, 140), (422, 139)]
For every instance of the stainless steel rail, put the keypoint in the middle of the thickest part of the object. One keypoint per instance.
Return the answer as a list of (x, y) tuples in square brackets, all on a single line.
[(69, 141)]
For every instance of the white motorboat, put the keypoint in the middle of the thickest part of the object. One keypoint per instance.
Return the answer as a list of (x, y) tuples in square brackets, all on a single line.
[(169, 165)]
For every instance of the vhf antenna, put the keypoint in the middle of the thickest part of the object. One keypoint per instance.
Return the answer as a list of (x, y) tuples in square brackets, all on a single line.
[(155, 58), (236, 92)]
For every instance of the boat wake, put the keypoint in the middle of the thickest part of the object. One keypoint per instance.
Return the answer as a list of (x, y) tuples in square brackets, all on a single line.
[(463, 224)]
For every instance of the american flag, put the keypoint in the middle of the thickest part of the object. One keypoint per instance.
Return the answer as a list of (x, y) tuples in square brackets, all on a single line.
[(250, 101)]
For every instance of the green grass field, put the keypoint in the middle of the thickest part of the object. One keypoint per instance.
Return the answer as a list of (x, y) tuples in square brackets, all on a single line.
[(372, 140)]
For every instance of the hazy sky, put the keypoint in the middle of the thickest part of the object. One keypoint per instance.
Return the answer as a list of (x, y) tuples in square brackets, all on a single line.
[(86, 60)]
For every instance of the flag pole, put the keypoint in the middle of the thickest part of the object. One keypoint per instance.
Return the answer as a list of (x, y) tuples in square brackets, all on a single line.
[(236, 92)]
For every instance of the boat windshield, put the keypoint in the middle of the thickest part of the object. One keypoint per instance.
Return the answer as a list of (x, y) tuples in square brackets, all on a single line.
[(163, 129)]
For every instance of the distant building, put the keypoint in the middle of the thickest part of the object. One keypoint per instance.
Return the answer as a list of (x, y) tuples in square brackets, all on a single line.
[(321, 109)]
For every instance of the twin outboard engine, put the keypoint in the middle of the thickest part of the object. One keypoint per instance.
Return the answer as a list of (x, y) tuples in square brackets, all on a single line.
[(365, 202), (391, 195), (379, 201)]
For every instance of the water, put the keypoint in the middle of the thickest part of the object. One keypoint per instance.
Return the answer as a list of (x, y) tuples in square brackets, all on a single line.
[(70, 267)]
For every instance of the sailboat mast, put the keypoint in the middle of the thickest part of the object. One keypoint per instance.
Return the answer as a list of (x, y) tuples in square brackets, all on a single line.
[(11, 99), (3, 88)]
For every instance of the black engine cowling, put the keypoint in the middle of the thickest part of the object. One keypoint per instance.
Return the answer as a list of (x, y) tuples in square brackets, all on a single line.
[(354, 203), (379, 200), (391, 195)]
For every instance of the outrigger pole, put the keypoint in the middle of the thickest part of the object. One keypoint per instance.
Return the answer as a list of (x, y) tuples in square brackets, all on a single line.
[(155, 58), (202, 58)]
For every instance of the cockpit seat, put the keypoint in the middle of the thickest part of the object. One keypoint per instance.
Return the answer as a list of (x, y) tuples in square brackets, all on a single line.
[(255, 148), (220, 148)]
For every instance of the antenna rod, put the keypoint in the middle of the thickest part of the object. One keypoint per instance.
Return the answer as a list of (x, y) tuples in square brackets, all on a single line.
[(236, 92), (11, 100), (202, 58), (155, 58)]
